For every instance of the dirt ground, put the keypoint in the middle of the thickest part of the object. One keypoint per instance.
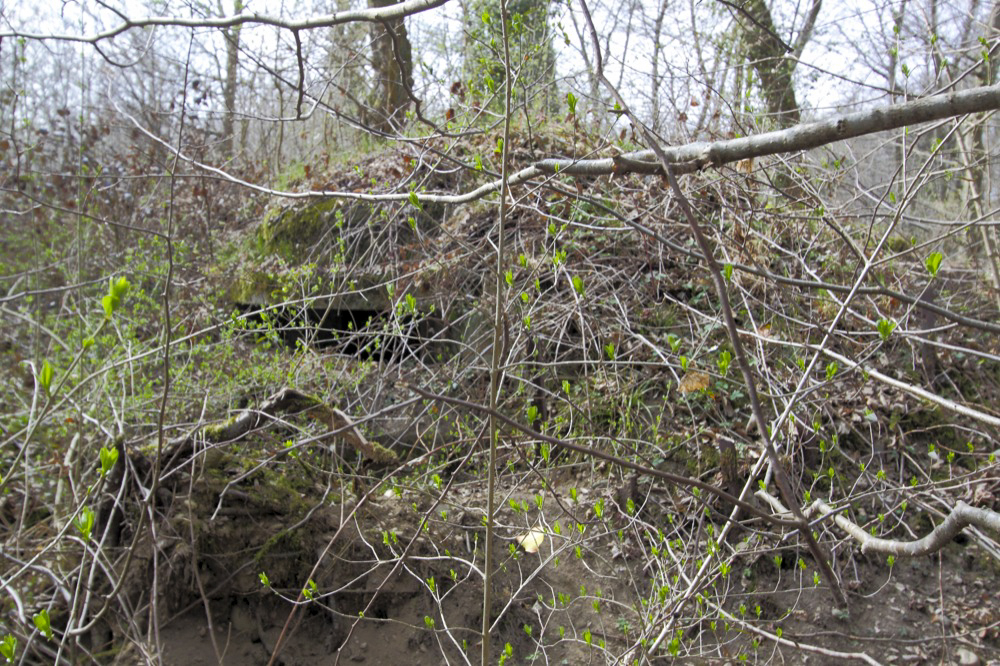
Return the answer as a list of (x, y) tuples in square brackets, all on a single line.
[(387, 591)]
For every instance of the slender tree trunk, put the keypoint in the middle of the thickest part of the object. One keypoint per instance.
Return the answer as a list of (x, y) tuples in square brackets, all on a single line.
[(657, 49), (978, 163), (232, 37)]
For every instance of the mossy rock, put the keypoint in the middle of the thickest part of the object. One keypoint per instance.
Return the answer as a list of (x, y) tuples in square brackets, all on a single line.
[(293, 233), (250, 287)]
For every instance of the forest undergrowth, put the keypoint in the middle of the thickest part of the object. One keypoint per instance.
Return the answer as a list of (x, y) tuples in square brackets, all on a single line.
[(265, 441)]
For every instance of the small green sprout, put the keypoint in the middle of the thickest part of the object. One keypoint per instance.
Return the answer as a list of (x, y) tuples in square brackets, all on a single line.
[(109, 456), (885, 328), (571, 101), (8, 647), (45, 376), (85, 522), (723, 362), (116, 292), (42, 623)]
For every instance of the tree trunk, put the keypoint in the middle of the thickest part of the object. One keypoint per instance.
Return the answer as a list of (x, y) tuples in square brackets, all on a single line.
[(232, 37), (393, 61), (766, 53)]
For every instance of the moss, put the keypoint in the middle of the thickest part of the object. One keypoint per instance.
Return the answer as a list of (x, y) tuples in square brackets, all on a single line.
[(216, 431), (252, 288), (280, 492), (287, 233)]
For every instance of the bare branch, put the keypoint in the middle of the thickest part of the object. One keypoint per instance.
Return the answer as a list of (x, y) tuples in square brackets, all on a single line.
[(960, 517), (698, 155), (916, 391), (397, 11)]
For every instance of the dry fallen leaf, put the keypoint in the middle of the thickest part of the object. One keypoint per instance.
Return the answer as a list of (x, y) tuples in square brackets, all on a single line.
[(693, 381), (532, 540)]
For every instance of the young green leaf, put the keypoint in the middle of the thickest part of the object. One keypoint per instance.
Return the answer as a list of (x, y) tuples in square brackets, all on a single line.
[(885, 328), (45, 376), (109, 303), (724, 360), (109, 456), (933, 263), (8, 647), (119, 287), (85, 522), (42, 622)]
